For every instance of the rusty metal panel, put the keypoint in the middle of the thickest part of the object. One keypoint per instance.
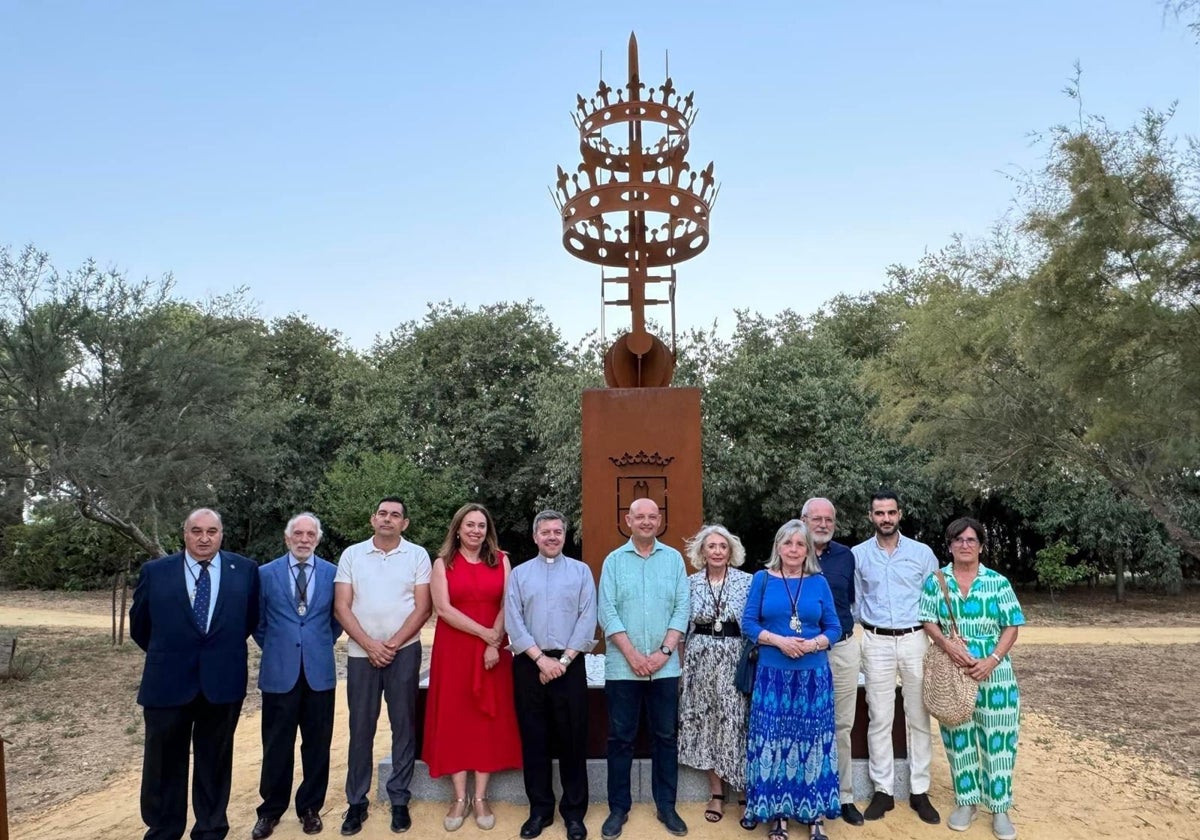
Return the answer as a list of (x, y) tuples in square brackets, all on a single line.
[(639, 442)]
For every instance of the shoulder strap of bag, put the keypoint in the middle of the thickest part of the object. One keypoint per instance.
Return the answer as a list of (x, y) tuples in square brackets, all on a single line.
[(946, 597)]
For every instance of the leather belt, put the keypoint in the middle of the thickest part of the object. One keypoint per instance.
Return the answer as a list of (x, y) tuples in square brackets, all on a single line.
[(890, 631), (729, 629)]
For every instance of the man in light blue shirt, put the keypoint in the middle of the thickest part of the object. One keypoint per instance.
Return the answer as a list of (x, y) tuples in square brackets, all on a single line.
[(643, 612), (889, 572), (550, 615)]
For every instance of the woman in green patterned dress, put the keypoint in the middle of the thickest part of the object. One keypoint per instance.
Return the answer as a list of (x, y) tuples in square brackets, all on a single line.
[(983, 750)]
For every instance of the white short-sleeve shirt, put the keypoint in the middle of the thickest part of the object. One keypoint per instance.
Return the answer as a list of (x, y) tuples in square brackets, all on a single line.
[(383, 585)]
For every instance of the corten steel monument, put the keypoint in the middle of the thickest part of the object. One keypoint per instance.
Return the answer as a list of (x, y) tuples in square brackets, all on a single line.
[(635, 207)]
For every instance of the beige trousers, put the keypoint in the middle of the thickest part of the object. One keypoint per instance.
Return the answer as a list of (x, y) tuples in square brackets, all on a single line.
[(845, 660), (884, 658)]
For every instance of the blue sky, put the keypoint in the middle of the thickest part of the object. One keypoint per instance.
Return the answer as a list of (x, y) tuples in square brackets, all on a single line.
[(353, 161)]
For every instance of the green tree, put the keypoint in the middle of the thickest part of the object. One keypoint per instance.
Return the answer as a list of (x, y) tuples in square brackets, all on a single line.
[(307, 397), (785, 419), (117, 397), (455, 394), (1069, 344), (354, 484)]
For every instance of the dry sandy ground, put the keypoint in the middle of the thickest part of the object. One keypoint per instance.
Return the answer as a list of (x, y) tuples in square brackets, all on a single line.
[(1067, 789), (1066, 786)]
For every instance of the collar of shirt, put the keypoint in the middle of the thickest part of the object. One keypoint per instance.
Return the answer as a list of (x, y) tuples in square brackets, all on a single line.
[(293, 562), (194, 564), (374, 549), (632, 549), (550, 560)]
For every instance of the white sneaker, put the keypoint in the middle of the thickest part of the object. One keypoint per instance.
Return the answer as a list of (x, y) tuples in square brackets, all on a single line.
[(962, 817), (1002, 827)]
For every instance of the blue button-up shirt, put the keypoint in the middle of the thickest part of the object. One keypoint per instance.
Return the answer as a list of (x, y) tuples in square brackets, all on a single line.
[(888, 587), (643, 597), (837, 565)]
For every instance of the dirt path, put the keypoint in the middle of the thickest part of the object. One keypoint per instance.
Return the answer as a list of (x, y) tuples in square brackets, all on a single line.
[(35, 617), (1067, 789)]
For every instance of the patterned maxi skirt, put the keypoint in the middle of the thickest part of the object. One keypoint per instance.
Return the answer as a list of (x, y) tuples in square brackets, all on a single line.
[(791, 751)]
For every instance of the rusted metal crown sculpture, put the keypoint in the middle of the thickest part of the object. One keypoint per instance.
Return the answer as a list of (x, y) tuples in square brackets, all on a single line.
[(636, 208)]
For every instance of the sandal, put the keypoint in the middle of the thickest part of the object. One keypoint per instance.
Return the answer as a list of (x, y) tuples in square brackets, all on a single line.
[(778, 830), (712, 814), (816, 832), (485, 821), (748, 821), (453, 821)]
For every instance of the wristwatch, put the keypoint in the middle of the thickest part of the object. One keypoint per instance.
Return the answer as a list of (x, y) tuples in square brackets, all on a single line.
[(664, 650), (564, 660)]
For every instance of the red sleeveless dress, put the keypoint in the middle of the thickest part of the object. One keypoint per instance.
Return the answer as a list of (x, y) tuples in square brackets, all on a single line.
[(470, 720)]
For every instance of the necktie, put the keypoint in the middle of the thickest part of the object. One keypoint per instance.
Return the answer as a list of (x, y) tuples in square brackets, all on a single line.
[(301, 586), (203, 596)]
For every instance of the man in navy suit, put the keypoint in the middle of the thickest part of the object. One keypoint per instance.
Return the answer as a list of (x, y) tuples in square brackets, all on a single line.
[(296, 631), (192, 613)]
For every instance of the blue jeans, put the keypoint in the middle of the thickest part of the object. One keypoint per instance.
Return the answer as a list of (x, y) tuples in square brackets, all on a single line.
[(626, 701)]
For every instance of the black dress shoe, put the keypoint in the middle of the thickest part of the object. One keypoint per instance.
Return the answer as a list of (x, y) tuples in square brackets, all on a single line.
[(879, 805), (611, 829), (310, 822), (533, 826), (851, 814), (674, 823), (401, 821), (576, 830), (356, 815), (264, 827), (924, 808)]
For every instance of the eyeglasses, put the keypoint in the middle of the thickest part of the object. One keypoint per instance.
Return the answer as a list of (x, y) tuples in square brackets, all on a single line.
[(967, 542)]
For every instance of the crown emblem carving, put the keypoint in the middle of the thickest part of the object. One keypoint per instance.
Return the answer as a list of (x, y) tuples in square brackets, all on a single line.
[(641, 459)]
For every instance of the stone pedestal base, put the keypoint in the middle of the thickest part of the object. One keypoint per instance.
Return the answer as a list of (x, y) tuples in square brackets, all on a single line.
[(509, 786)]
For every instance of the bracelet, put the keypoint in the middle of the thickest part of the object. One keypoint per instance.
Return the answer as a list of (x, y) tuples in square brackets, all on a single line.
[(999, 661), (539, 657)]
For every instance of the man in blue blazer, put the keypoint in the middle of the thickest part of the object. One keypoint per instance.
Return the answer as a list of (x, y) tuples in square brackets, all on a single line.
[(296, 631), (192, 613)]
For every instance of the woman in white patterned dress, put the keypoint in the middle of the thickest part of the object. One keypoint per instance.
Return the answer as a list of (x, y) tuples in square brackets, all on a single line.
[(712, 713)]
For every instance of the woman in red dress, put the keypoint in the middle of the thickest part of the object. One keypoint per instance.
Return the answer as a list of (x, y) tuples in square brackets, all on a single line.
[(470, 722)]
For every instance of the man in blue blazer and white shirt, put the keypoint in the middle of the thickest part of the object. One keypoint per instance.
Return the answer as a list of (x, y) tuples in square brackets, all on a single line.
[(192, 613), (296, 631)]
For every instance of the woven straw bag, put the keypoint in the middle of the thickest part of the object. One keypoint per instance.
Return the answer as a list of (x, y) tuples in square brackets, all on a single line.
[(948, 692)]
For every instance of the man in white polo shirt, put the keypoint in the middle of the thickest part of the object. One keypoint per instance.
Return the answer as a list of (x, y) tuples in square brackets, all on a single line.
[(381, 599)]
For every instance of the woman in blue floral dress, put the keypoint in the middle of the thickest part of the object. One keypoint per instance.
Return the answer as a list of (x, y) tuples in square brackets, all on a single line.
[(791, 750)]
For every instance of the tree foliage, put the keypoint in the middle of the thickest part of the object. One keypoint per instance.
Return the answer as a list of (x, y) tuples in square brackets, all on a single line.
[(1069, 344), (116, 397)]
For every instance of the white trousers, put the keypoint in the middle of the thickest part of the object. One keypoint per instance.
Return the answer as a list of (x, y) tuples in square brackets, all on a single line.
[(884, 658), (845, 660)]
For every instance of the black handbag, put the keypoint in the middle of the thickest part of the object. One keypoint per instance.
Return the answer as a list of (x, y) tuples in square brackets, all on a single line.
[(747, 666)]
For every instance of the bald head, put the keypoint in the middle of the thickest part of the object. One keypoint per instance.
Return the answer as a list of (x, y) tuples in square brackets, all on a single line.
[(643, 521)]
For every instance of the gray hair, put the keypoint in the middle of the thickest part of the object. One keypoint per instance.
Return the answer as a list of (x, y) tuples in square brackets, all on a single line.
[(291, 524), (548, 516), (807, 505), (795, 526), (695, 546), (199, 511)]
